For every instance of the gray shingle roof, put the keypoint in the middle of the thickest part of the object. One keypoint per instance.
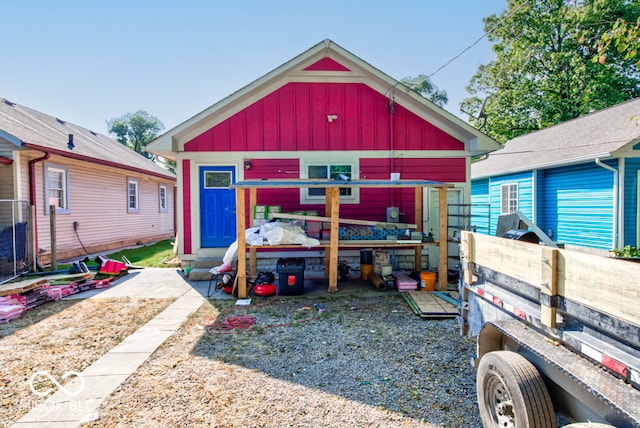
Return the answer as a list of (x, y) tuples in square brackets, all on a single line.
[(599, 134), (36, 128)]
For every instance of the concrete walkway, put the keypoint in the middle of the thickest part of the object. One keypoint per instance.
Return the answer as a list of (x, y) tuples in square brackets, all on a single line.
[(78, 401)]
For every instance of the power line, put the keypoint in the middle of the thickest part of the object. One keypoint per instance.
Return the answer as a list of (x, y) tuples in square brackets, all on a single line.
[(513, 12)]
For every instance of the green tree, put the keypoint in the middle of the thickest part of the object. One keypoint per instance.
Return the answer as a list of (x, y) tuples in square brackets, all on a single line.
[(136, 130), (544, 71), (624, 37), (423, 85)]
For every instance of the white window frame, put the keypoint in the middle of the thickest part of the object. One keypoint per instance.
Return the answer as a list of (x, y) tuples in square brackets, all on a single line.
[(511, 190), (306, 199), (136, 208), (64, 170), (163, 203)]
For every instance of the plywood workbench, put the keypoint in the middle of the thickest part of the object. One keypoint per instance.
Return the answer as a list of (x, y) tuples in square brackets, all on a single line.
[(332, 211)]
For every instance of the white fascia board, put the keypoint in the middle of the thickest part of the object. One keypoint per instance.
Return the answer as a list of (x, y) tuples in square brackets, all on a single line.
[(547, 165), (197, 124)]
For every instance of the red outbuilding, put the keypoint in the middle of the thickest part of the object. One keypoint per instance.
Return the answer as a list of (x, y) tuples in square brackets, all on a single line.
[(324, 113)]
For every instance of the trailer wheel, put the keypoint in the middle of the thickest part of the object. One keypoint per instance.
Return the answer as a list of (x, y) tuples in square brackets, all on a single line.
[(511, 393)]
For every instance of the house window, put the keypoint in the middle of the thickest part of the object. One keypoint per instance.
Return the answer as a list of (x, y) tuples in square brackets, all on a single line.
[(133, 195), (508, 198), (162, 198), (217, 179), (57, 187), (330, 171)]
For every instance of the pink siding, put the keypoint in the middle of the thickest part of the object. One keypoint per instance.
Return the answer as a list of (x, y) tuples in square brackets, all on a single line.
[(327, 64), (186, 204), (294, 118)]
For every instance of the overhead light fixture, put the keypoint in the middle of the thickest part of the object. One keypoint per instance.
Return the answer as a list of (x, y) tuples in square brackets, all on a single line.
[(247, 164)]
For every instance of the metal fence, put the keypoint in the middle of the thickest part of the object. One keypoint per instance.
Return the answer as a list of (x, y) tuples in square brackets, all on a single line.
[(14, 239)]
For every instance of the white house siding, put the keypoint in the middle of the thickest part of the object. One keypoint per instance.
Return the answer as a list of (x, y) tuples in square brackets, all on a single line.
[(98, 202)]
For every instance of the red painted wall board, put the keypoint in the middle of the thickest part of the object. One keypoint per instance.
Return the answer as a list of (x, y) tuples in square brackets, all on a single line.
[(287, 117), (447, 170), (294, 117), (327, 64), (288, 199), (271, 122), (186, 202), (302, 117)]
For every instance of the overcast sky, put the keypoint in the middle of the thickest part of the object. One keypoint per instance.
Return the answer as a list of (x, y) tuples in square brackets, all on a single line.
[(87, 61)]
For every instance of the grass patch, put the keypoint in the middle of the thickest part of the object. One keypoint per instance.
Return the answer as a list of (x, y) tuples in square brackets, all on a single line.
[(154, 255)]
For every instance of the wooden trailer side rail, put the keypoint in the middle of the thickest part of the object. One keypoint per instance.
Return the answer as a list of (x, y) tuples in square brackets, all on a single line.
[(605, 284)]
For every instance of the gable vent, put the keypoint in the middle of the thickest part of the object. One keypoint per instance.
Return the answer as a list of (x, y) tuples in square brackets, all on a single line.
[(9, 103)]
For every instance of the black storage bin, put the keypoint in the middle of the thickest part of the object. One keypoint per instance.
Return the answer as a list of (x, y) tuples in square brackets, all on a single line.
[(522, 235), (290, 276)]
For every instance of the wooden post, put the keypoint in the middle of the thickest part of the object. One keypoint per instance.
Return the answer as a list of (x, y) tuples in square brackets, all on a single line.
[(253, 262), (334, 196), (418, 221), (242, 244), (443, 265), (548, 285), (327, 250), (467, 248), (52, 231)]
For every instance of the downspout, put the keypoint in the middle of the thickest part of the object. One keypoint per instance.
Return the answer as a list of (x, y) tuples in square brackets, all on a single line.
[(32, 197), (616, 179)]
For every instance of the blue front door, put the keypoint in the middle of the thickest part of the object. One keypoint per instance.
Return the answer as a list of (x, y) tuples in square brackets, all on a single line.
[(217, 206)]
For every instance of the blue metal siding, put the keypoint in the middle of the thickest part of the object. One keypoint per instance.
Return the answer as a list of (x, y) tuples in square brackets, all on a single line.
[(632, 166), (576, 204), (479, 205), (524, 181)]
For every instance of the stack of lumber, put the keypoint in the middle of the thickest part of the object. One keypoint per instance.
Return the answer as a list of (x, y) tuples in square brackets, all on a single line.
[(404, 282), (11, 307), (18, 297), (432, 305)]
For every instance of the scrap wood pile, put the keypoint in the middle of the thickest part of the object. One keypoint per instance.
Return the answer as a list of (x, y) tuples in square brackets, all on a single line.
[(18, 297)]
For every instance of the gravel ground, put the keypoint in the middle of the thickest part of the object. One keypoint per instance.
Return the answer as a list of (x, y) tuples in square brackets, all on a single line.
[(365, 361)]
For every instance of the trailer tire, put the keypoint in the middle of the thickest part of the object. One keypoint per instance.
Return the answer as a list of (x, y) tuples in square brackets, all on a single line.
[(511, 393)]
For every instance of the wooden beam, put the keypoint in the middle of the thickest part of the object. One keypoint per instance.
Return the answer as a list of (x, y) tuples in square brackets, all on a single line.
[(548, 285), (327, 213), (443, 265), (253, 262), (344, 220), (418, 218), (334, 197), (606, 284), (466, 255), (242, 244)]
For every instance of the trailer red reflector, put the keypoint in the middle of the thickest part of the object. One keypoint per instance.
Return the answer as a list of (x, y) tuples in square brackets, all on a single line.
[(614, 365), (518, 312), (497, 301)]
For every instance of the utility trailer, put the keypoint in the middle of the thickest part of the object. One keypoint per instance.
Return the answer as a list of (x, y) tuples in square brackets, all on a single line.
[(558, 333)]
